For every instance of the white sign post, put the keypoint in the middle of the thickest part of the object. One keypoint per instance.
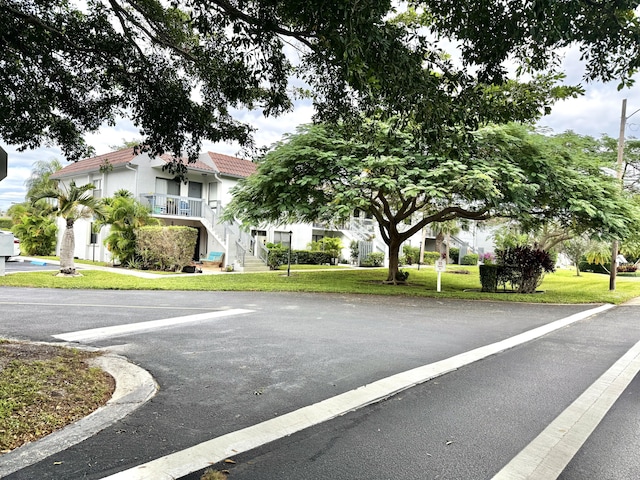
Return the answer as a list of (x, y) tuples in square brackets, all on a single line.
[(441, 266)]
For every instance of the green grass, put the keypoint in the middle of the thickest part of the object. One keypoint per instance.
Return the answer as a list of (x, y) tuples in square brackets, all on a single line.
[(560, 287), (294, 266)]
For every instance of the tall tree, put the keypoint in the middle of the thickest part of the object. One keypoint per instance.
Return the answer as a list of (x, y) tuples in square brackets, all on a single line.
[(72, 203), (181, 69), (322, 173), (41, 170)]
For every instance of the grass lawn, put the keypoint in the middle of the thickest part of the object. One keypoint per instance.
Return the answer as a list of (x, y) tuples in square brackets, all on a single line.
[(560, 287)]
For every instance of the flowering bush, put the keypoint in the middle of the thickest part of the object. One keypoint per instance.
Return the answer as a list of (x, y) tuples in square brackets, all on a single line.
[(487, 258)]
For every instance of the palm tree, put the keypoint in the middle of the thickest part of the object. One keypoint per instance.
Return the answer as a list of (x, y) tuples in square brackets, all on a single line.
[(125, 215), (443, 231), (40, 176), (72, 203)]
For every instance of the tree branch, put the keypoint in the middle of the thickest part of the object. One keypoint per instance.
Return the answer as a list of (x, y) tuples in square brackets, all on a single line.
[(235, 12)]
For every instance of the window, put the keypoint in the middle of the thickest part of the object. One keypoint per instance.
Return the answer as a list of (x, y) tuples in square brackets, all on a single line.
[(97, 190), (195, 190), (282, 237), (167, 186)]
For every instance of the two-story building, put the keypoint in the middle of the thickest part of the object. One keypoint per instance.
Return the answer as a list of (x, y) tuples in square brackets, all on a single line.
[(198, 201)]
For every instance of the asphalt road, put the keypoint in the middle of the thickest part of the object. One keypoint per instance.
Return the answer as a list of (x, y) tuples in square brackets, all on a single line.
[(292, 350), (17, 264)]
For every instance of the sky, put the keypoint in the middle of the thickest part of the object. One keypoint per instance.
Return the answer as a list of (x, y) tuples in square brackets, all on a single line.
[(598, 111)]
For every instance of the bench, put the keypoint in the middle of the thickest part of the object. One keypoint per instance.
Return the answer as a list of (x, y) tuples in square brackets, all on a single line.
[(214, 259)]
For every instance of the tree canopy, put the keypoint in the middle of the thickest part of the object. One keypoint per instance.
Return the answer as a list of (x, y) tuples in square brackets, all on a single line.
[(182, 69), (326, 172)]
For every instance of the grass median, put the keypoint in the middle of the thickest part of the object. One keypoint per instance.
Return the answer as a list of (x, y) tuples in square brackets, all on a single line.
[(45, 387), (563, 286)]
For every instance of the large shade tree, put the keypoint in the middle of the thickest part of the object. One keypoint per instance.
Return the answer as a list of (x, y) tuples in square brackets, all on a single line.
[(181, 70), (322, 173), (72, 202)]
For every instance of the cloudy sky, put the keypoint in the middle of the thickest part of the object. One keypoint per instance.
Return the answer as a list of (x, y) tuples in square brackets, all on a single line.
[(595, 113)]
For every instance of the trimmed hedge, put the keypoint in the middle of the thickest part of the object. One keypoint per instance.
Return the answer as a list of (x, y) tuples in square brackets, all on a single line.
[(489, 275), (280, 256), (431, 257), (166, 248), (470, 259)]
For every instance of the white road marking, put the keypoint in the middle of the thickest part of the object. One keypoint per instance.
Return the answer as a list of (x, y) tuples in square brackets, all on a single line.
[(106, 332), (549, 453), (203, 455), (98, 305)]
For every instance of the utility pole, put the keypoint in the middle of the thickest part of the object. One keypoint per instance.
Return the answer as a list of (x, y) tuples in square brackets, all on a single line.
[(614, 246)]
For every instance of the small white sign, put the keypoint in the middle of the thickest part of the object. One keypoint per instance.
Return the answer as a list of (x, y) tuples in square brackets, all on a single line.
[(441, 265)]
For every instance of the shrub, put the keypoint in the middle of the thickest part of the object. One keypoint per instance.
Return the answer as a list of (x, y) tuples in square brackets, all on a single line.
[(402, 276), (354, 251), (6, 223), (277, 255), (487, 258), (410, 254), (305, 257), (489, 277), (454, 254), (585, 266), (374, 259), (431, 257), (523, 267), (330, 245), (628, 268), (166, 248), (38, 234), (470, 259)]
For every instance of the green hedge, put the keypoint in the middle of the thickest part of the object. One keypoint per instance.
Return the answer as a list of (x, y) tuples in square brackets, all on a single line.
[(280, 256), (431, 257), (470, 259), (489, 277), (6, 223), (374, 259), (165, 248)]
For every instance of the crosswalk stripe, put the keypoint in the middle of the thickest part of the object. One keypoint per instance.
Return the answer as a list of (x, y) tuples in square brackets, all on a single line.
[(117, 330), (200, 456), (550, 452)]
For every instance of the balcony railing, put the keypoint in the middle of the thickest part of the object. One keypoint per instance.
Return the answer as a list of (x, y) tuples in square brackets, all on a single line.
[(174, 205)]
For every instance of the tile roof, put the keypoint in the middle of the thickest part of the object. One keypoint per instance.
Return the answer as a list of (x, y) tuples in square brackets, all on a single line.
[(225, 164), (93, 164), (233, 166)]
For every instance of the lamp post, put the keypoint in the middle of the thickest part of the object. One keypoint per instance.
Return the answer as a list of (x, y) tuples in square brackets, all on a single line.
[(619, 172), (289, 260)]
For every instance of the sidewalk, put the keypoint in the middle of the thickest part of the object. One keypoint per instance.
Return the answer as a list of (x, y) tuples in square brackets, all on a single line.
[(123, 271)]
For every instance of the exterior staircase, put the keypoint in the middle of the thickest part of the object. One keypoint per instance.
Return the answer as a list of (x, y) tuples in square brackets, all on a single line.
[(254, 264)]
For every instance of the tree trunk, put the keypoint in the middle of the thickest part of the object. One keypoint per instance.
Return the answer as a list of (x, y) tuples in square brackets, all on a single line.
[(439, 242), (446, 246), (394, 253), (67, 248)]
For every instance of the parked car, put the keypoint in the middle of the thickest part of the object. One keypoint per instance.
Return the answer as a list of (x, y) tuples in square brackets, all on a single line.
[(16, 244)]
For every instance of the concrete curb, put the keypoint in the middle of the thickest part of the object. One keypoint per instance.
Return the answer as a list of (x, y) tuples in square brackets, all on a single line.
[(134, 387)]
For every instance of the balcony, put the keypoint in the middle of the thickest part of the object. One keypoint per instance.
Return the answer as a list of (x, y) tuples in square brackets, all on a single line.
[(173, 205)]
